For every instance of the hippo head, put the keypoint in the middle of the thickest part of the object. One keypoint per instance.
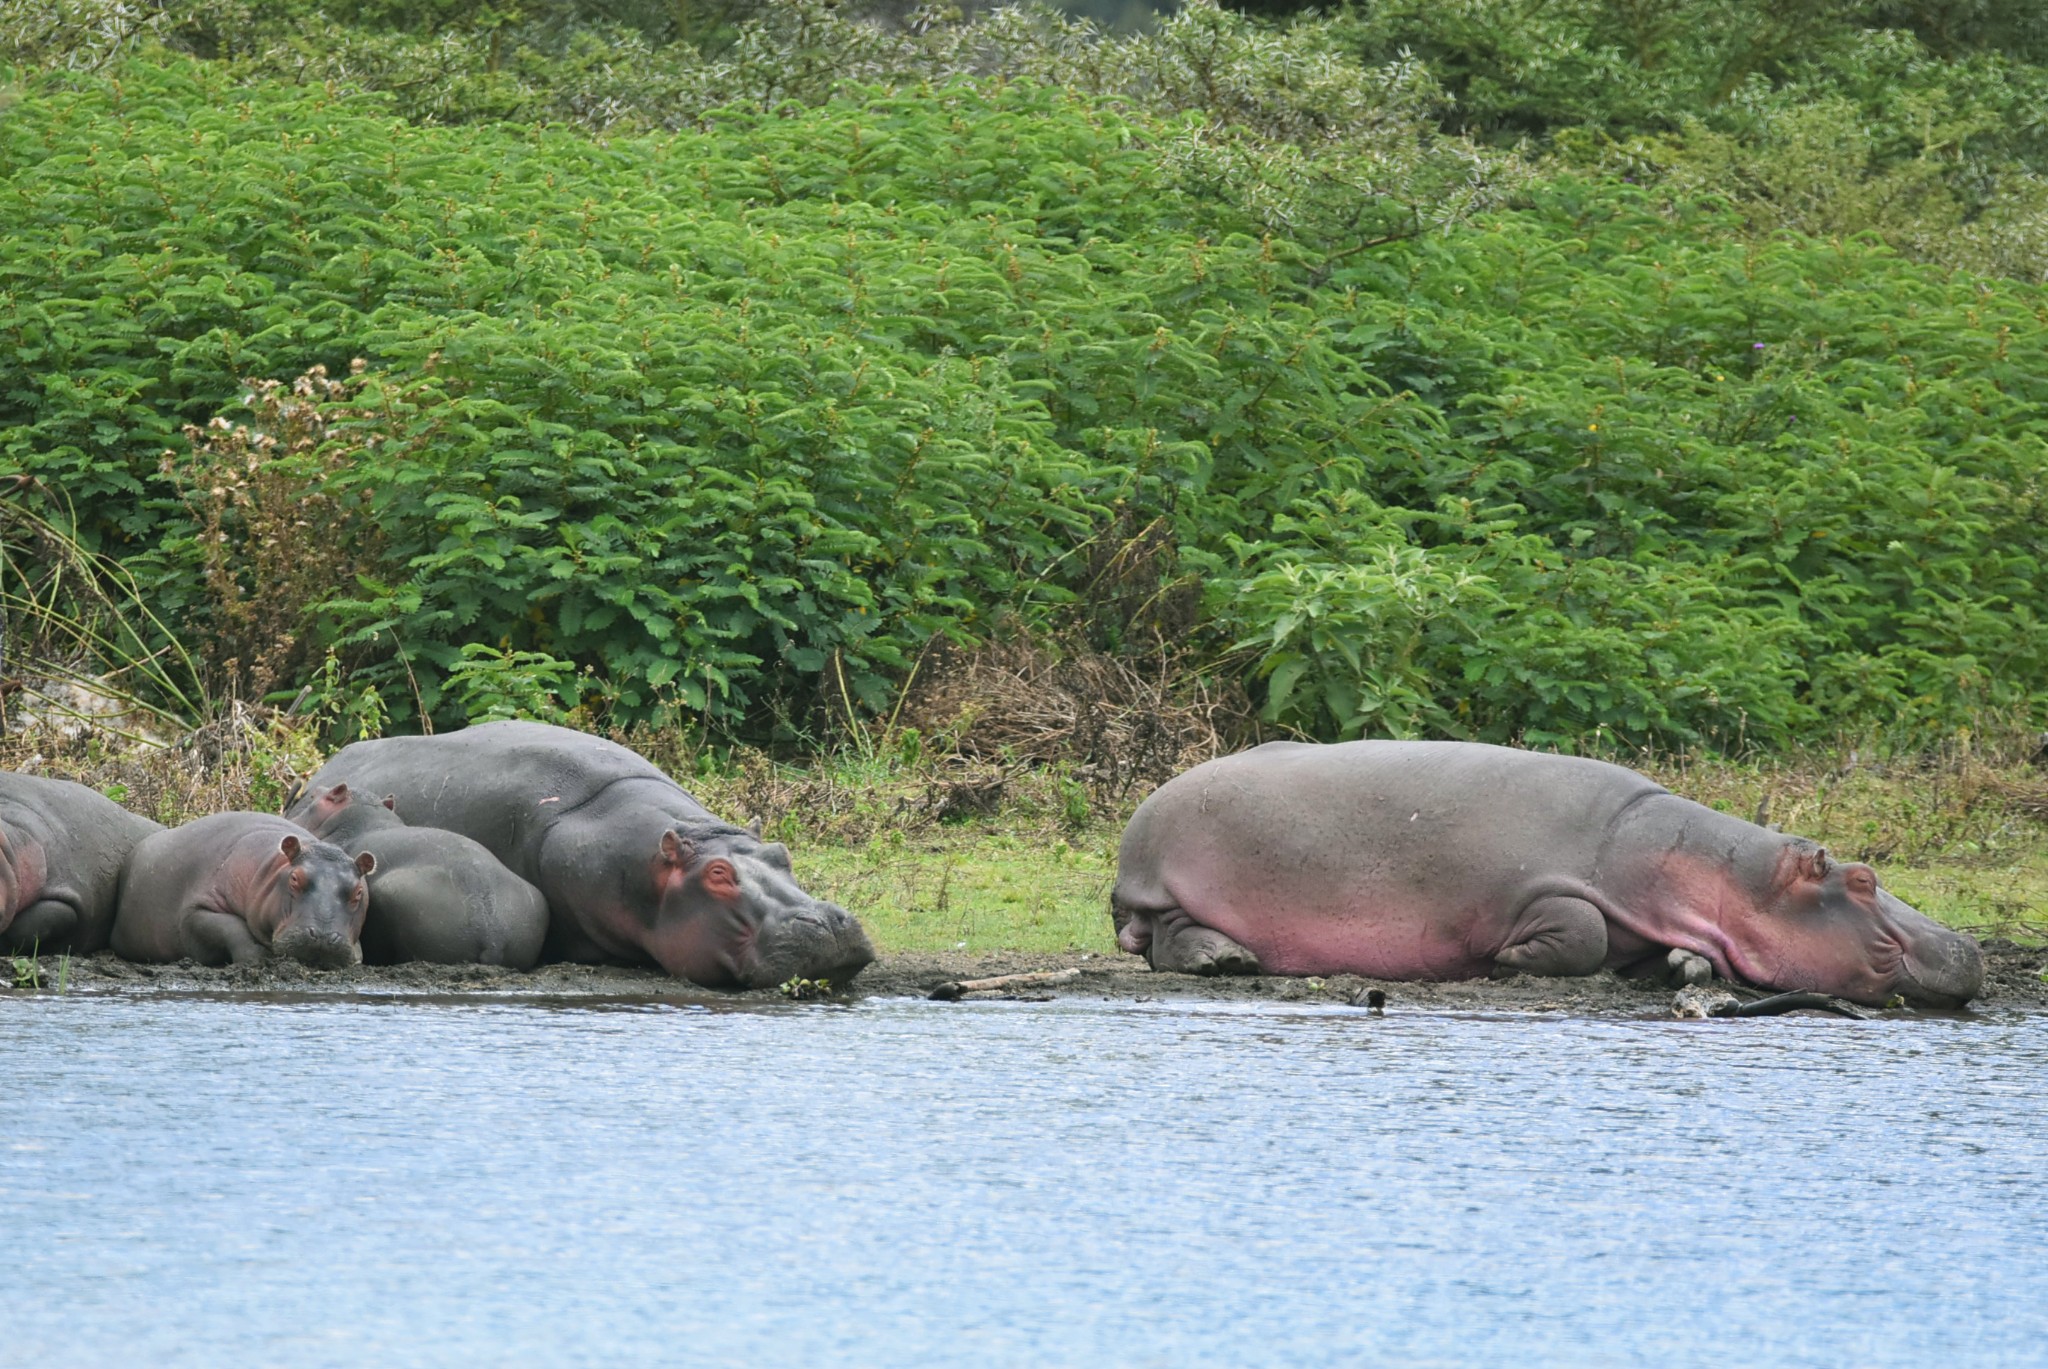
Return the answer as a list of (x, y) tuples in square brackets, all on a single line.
[(1828, 925), (318, 903), (340, 815), (729, 911)]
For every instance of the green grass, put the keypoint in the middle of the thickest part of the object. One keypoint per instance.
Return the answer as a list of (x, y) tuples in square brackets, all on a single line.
[(972, 889)]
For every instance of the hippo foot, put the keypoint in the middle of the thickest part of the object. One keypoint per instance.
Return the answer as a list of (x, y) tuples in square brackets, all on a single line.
[(1684, 970), (1198, 950)]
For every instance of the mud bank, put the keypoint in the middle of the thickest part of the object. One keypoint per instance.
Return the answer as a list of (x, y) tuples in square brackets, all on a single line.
[(2012, 982)]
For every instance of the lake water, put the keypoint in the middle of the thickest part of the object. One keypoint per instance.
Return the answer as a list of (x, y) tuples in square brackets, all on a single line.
[(405, 1181)]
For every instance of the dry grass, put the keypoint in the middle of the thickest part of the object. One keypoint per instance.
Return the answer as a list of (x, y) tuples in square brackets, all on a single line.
[(1118, 723), (247, 759)]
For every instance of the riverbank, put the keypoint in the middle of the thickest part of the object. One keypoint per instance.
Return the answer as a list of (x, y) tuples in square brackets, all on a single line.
[(2015, 979), (961, 850)]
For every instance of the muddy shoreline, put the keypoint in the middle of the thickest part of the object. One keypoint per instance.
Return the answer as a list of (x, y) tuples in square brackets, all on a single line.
[(2012, 982)]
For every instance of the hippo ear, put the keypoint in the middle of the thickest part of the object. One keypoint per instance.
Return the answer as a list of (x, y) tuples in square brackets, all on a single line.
[(391, 802), (288, 847), (754, 829), (366, 864), (338, 795), (675, 851)]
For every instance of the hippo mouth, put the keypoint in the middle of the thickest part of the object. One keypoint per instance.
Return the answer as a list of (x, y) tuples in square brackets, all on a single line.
[(1950, 984), (317, 951)]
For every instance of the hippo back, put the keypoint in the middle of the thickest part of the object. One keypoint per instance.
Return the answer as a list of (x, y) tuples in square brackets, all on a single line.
[(1384, 811), (500, 784)]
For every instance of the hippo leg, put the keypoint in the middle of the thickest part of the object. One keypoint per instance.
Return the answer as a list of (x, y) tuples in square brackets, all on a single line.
[(1180, 945), (217, 938), (51, 922), (1557, 935)]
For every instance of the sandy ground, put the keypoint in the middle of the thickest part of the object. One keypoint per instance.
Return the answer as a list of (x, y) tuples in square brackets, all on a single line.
[(2013, 982)]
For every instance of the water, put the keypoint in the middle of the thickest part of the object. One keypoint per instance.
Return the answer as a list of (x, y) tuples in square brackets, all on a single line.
[(191, 1181)]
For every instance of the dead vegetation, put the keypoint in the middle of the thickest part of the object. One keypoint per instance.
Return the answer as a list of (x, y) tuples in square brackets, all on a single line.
[(272, 539), (246, 759), (1119, 724)]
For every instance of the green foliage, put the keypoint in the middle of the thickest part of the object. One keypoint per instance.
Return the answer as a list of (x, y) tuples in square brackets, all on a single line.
[(26, 970), (799, 990), (733, 420), (493, 684), (1923, 120)]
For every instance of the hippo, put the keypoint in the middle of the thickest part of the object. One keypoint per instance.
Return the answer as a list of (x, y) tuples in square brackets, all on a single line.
[(437, 895), (1453, 860), (634, 870), (61, 850), (242, 887)]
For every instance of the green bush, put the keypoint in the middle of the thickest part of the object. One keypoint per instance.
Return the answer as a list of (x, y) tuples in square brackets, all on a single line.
[(713, 419), (1926, 122)]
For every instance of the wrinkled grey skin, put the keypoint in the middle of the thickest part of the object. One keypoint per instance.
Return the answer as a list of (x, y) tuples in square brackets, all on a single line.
[(242, 887), (634, 870), (436, 895), (1452, 860), (62, 847)]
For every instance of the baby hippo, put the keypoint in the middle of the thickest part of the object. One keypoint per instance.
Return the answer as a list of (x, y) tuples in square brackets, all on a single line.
[(242, 887), (437, 895)]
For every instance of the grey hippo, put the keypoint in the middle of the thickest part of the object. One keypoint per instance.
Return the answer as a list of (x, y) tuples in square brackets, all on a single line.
[(1452, 860), (436, 895), (62, 847), (242, 887), (633, 868)]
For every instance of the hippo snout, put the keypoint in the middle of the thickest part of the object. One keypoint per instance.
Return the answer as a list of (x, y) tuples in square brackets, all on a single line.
[(822, 941), (1944, 971), (855, 951), (318, 950)]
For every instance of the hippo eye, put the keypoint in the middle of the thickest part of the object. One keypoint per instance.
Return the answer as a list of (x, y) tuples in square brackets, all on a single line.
[(1861, 880), (721, 880)]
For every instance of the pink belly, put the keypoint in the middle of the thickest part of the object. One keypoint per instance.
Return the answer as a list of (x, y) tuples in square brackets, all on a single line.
[(1365, 932)]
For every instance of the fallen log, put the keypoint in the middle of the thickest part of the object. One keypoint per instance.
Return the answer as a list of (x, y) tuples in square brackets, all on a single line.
[(1790, 1002), (952, 989)]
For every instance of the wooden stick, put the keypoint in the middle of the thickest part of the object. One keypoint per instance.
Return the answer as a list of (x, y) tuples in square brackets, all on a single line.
[(952, 989)]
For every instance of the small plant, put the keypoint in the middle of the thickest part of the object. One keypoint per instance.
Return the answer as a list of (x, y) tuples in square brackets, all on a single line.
[(27, 969), (1073, 802), (800, 990)]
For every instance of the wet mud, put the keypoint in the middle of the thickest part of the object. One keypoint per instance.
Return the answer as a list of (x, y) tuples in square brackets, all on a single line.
[(2013, 981)]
